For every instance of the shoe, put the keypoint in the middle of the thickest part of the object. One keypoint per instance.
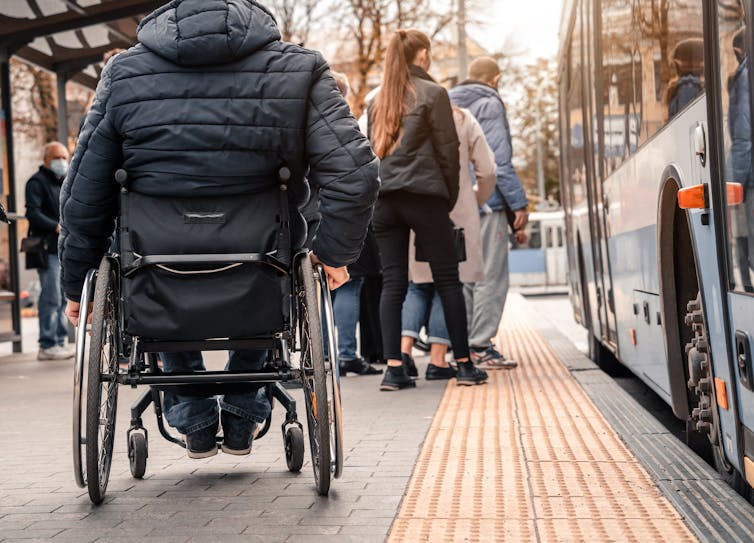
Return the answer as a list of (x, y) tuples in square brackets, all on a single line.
[(410, 365), (396, 379), (238, 434), (53, 353), (202, 443), (490, 359), (469, 374), (436, 373), (358, 366), (69, 349)]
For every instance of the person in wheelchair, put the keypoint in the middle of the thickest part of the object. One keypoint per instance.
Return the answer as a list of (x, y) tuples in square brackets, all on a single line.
[(212, 104)]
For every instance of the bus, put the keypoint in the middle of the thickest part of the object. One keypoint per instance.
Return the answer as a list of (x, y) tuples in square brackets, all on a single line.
[(655, 100)]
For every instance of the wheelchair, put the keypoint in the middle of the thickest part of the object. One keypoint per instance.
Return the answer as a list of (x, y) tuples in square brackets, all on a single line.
[(188, 276)]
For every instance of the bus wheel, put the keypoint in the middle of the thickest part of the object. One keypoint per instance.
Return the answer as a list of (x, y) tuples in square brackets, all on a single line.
[(704, 415)]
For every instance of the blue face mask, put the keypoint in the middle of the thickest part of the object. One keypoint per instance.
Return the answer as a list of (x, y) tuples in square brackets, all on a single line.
[(59, 167)]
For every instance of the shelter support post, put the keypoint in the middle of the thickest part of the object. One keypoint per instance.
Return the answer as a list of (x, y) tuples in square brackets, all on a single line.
[(9, 188)]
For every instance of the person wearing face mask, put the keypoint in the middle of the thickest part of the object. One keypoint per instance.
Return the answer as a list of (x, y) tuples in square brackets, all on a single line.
[(43, 213)]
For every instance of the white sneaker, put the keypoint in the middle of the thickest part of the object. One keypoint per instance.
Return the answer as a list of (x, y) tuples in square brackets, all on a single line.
[(53, 353), (68, 348)]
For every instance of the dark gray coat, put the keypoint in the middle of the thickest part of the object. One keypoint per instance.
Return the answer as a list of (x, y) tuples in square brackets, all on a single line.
[(211, 102), (426, 160)]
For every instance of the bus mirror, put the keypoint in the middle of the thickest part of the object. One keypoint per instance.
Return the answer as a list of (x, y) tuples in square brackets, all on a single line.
[(694, 197), (734, 193)]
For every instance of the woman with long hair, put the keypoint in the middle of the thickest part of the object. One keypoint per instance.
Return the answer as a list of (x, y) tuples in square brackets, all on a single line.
[(412, 131)]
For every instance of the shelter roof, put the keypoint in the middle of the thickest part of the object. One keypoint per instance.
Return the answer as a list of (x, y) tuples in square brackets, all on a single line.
[(70, 36)]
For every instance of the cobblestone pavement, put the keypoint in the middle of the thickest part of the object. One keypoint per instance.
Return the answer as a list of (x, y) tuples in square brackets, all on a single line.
[(223, 498)]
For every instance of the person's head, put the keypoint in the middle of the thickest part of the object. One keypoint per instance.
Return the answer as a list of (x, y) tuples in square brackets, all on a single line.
[(688, 57), (342, 81), (739, 47), (111, 53), (485, 70), (406, 47), (55, 158)]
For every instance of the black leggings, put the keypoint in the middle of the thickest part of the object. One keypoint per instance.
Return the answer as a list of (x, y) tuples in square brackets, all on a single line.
[(396, 215)]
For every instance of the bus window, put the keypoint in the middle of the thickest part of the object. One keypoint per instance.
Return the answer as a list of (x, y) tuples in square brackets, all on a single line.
[(736, 100), (652, 68), (576, 164)]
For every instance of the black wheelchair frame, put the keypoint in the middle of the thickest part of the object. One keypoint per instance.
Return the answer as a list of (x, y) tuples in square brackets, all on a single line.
[(98, 375)]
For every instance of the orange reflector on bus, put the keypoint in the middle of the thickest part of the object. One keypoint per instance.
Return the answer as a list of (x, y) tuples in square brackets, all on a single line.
[(720, 393), (632, 331), (693, 197), (734, 193)]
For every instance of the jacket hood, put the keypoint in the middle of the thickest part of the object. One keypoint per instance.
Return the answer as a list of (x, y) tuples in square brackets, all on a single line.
[(205, 32), (469, 92)]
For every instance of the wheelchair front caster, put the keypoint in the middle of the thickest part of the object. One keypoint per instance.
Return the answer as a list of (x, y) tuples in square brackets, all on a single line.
[(294, 448), (137, 454)]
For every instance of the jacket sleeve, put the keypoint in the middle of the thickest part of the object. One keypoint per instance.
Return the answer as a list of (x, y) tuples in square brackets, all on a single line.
[(39, 223), (88, 199), (495, 124), (483, 160), (445, 142), (343, 167)]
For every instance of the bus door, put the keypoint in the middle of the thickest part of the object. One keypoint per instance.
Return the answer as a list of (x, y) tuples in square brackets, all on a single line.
[(733, 196), (598, 205)]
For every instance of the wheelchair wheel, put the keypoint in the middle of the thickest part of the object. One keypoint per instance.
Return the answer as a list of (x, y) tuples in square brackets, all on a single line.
[(102, 388), (137, 454), (79, 466), (313, 376), (294, 448), (333, 375)]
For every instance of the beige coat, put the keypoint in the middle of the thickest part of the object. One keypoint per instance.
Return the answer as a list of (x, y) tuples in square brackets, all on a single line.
[(474, 150)]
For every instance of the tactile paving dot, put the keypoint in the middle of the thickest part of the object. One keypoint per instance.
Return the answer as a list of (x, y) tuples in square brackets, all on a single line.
[(528, 457)]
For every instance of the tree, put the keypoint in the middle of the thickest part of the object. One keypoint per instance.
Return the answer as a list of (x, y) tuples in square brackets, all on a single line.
[(368, 25), (531, 97), (294, 17), (34, 101)]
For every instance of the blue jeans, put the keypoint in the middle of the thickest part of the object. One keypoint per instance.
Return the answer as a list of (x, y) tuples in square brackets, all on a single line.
[(346, 313), (190, 413), (423, 306), (53, 327)]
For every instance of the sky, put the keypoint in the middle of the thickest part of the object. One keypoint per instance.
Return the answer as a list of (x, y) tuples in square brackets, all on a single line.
[(532, 25)]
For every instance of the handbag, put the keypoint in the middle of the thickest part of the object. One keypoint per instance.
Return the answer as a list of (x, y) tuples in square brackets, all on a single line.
[(459, 243), (35, 248)]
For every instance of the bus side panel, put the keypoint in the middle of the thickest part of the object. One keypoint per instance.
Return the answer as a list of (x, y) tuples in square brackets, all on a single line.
[(633, 193)]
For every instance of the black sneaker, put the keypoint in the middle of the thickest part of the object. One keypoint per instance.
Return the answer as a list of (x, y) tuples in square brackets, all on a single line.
[(436, 373), (238, 433), (469, 374), (396, 379), (421, 345), (358, 366), (202, 443), (410, 365)]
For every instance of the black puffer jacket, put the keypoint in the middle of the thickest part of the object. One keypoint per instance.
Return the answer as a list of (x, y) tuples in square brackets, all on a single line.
[(211, 102), (42, 211), (426, 161)]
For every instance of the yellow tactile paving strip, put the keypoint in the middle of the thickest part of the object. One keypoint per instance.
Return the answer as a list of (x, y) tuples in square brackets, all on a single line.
[(528, 457)]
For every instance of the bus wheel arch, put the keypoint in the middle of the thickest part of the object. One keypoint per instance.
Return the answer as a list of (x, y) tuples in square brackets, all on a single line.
[(675, 257)]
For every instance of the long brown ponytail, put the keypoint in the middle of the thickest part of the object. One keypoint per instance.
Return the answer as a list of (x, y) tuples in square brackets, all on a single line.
[(396, 92)]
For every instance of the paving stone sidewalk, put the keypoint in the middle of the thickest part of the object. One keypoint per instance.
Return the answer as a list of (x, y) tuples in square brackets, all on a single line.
[(222, 498)]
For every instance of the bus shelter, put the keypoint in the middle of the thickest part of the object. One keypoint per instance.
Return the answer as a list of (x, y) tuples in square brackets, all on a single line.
[(68, 38)]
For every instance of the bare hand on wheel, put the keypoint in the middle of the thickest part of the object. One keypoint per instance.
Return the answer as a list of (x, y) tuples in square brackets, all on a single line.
[(336, 277), (72, 311)]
